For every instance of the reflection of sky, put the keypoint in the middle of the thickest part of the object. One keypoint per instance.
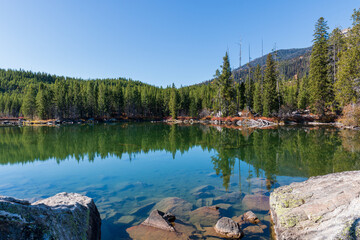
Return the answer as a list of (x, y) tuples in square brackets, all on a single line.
[(158, 169)]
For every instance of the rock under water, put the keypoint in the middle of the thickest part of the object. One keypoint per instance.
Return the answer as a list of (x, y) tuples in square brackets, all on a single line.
[(63, 216), (323, 207)]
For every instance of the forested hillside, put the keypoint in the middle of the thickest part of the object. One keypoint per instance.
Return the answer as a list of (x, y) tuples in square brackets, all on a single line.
[(323, 78), (291, 62)]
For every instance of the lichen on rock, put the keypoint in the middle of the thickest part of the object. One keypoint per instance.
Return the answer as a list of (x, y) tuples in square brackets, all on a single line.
[(323, 207)]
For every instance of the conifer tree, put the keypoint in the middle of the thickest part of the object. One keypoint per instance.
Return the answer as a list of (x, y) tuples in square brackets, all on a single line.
[(257, 97), (225, 88), (320, 87), (41, 102), (29, 102), (249, 91), (174, 102), (103, 100), (270, 97), (348, 77)]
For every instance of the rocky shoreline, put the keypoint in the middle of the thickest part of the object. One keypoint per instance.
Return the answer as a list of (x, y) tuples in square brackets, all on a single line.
[(323, 207)]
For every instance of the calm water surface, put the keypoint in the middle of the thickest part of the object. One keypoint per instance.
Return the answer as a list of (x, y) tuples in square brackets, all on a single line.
[(127, 166)]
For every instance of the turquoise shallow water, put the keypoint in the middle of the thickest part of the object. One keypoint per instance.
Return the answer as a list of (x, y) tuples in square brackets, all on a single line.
[(126, 166)]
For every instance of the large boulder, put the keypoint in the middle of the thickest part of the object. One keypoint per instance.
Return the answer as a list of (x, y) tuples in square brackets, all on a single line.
[(324, 207), (229, 228), (63, 216)]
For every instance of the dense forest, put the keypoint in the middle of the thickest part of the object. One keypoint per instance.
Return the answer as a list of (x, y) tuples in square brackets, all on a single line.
[(329, 84)]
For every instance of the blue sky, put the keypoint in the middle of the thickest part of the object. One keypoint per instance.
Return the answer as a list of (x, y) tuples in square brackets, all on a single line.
[(158, 42)]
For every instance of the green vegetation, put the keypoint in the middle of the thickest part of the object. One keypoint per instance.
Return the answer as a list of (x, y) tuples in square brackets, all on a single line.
[(269, 90)]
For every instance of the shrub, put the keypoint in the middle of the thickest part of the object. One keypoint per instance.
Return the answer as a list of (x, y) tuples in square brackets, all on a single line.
[(351, 115)]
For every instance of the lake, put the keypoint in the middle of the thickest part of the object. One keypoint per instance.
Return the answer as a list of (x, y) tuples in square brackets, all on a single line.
[(127, 168)]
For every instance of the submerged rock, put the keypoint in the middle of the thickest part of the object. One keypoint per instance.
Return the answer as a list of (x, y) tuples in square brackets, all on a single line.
[(233, 197), (125, 219), (176, 206), (205, 216), (203, 191), (63, 216), (256, 202), (142, 232), (229, 228), (324, 207), (157, 220), (201, 202)]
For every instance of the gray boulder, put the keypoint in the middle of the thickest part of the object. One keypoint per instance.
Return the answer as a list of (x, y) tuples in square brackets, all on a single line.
[(229, 228), (63, 216), (324, 207)]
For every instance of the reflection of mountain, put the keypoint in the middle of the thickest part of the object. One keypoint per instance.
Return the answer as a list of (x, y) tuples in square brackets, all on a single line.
[(283, 151)]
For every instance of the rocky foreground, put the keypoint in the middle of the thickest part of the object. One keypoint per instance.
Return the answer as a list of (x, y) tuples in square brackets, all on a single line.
[(324, 207), (63, 216)]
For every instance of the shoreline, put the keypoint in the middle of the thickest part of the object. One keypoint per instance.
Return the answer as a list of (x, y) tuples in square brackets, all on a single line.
[(236, 122)]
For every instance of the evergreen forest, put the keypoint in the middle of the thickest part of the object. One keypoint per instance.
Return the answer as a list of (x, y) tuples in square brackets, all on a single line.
[(328, 82)]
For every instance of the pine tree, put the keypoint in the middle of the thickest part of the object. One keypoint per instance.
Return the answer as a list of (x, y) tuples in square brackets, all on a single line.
[(41, 102), (249, 92), (320, 87), (90, 99), (348, 76), (174, 102), (118, 103), (257, 97), (29, 102), (270, 95), (103, 100), (225, 88)]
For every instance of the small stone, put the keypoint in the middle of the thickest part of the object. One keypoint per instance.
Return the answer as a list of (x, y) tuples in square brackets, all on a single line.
[(229, 228), (224, 206), (251, 217), (170, 217)]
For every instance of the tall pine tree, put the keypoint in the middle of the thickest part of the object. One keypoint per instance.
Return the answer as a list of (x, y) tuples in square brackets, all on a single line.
[(320, 86), (348, 76), (257, 98), (270, 95)]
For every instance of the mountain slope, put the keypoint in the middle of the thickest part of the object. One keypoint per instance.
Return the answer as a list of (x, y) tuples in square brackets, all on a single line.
[(291, 62)]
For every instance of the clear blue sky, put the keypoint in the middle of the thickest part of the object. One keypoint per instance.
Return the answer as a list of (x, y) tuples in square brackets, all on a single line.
[(158, 42)]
